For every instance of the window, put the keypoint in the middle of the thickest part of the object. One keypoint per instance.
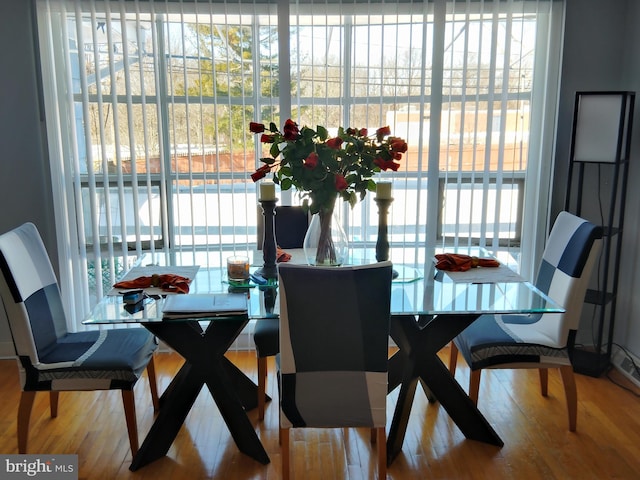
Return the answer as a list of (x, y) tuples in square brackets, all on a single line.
[(148, 105)]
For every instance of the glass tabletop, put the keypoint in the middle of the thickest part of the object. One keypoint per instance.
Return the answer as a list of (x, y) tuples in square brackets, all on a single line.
[(416, 290)]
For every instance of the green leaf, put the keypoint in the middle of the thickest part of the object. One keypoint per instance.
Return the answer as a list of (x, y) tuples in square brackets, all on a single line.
[(307, 134), (353, 199), (286, 184), (323, 134), (285, 171), (274, 151)]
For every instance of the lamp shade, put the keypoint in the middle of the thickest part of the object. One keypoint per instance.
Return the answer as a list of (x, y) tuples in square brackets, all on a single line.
[(601, 126)]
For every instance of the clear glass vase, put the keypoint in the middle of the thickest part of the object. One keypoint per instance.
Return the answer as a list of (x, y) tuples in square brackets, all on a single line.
[(325, 243)]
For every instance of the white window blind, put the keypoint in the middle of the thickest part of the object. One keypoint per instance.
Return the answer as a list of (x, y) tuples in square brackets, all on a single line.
[(148, 105)]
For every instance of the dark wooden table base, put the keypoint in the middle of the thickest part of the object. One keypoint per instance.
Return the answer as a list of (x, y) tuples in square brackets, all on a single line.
[(419, 342), (232, 391)]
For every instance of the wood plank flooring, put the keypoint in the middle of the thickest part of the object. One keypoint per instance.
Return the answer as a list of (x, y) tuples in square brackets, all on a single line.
[(538, 444)]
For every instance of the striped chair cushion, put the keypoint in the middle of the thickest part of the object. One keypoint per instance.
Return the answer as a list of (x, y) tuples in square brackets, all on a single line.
[(95, 360), (490, 341)]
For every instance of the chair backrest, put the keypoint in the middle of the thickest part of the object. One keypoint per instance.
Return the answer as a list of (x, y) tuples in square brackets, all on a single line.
[(291, 224), (30, 293), (571, 251), (334, 337)]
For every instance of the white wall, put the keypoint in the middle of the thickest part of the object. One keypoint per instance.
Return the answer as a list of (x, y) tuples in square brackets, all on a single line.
[(25, 188), (627, 332)]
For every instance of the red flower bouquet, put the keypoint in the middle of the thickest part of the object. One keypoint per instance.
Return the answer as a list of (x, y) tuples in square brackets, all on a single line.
[(320, 167)]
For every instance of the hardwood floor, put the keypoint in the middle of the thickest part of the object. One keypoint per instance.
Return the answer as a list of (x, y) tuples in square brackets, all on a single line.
[(538, 444)]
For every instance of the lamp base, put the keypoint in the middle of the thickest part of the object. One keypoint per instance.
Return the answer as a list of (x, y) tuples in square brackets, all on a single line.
[(587, 361)]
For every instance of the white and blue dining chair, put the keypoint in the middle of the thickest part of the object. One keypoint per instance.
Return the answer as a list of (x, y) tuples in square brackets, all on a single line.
[(334, 346), (540, 341), (49, 357)]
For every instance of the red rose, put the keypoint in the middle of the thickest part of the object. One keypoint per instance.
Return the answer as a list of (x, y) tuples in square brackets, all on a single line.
[(398, 145), (383, 131), (364, 132), (341, 183), (266, 138), (393, 166), (311, 161), (255, 127), (260, 173), (291, 131), (351, 131), (257, 175), (334, 143), (386, 164)]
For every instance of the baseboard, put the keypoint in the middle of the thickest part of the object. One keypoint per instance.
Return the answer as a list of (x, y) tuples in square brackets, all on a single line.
[(624, 363)]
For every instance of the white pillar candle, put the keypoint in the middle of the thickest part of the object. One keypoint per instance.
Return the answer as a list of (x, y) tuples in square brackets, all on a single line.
[(267, 191), (383, 190)]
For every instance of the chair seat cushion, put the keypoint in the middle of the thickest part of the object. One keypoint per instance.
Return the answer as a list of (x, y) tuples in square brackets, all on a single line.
[(266, 337), (94, 360), (489, 342)]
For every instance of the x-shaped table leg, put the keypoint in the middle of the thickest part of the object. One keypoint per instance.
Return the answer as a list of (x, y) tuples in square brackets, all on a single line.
[(419, 342), (205, 363)]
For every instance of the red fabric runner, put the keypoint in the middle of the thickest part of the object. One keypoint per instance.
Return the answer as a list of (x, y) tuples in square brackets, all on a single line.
[(166, 281), (455, 262), (282, 256)]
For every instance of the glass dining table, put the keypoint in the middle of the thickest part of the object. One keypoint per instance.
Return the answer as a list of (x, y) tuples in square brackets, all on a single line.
[(429, 308)]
